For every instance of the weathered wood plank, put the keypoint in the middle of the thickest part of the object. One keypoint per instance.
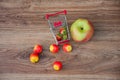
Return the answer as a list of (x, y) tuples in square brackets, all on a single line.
[(23, 24), (57, 77)]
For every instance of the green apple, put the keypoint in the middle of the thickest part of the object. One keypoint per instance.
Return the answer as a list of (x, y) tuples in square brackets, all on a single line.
[(65, 37), (81, 30)]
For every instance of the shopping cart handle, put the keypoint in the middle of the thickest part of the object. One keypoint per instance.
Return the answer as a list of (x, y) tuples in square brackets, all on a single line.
[(61, 12)]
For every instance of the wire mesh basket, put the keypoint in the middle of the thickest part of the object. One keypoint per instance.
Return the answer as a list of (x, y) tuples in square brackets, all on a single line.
[(59, 27)]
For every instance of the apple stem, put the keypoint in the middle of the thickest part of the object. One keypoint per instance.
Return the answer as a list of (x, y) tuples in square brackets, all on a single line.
[(81, 28)]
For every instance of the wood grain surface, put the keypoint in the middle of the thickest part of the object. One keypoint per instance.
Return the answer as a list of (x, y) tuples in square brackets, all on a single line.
[(23, 24)]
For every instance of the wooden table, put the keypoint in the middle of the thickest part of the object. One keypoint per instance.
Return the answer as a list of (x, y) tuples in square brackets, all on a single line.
[(23, 24)]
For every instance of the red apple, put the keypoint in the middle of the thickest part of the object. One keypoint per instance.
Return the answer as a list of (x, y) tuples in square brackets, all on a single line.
[(59, 37), (54, 48), (81, 30), (67, 47), (57, 65), (37, 48), (63, 31), (34, 57)]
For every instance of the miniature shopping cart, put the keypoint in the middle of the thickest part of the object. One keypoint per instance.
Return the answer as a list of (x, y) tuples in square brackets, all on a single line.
[(59, 27)]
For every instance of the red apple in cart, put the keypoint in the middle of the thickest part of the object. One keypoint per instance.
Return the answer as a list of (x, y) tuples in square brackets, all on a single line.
[(63, 31), (59, 37)]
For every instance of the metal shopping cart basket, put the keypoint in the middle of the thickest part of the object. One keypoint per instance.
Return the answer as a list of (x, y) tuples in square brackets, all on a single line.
[(59, 27)]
